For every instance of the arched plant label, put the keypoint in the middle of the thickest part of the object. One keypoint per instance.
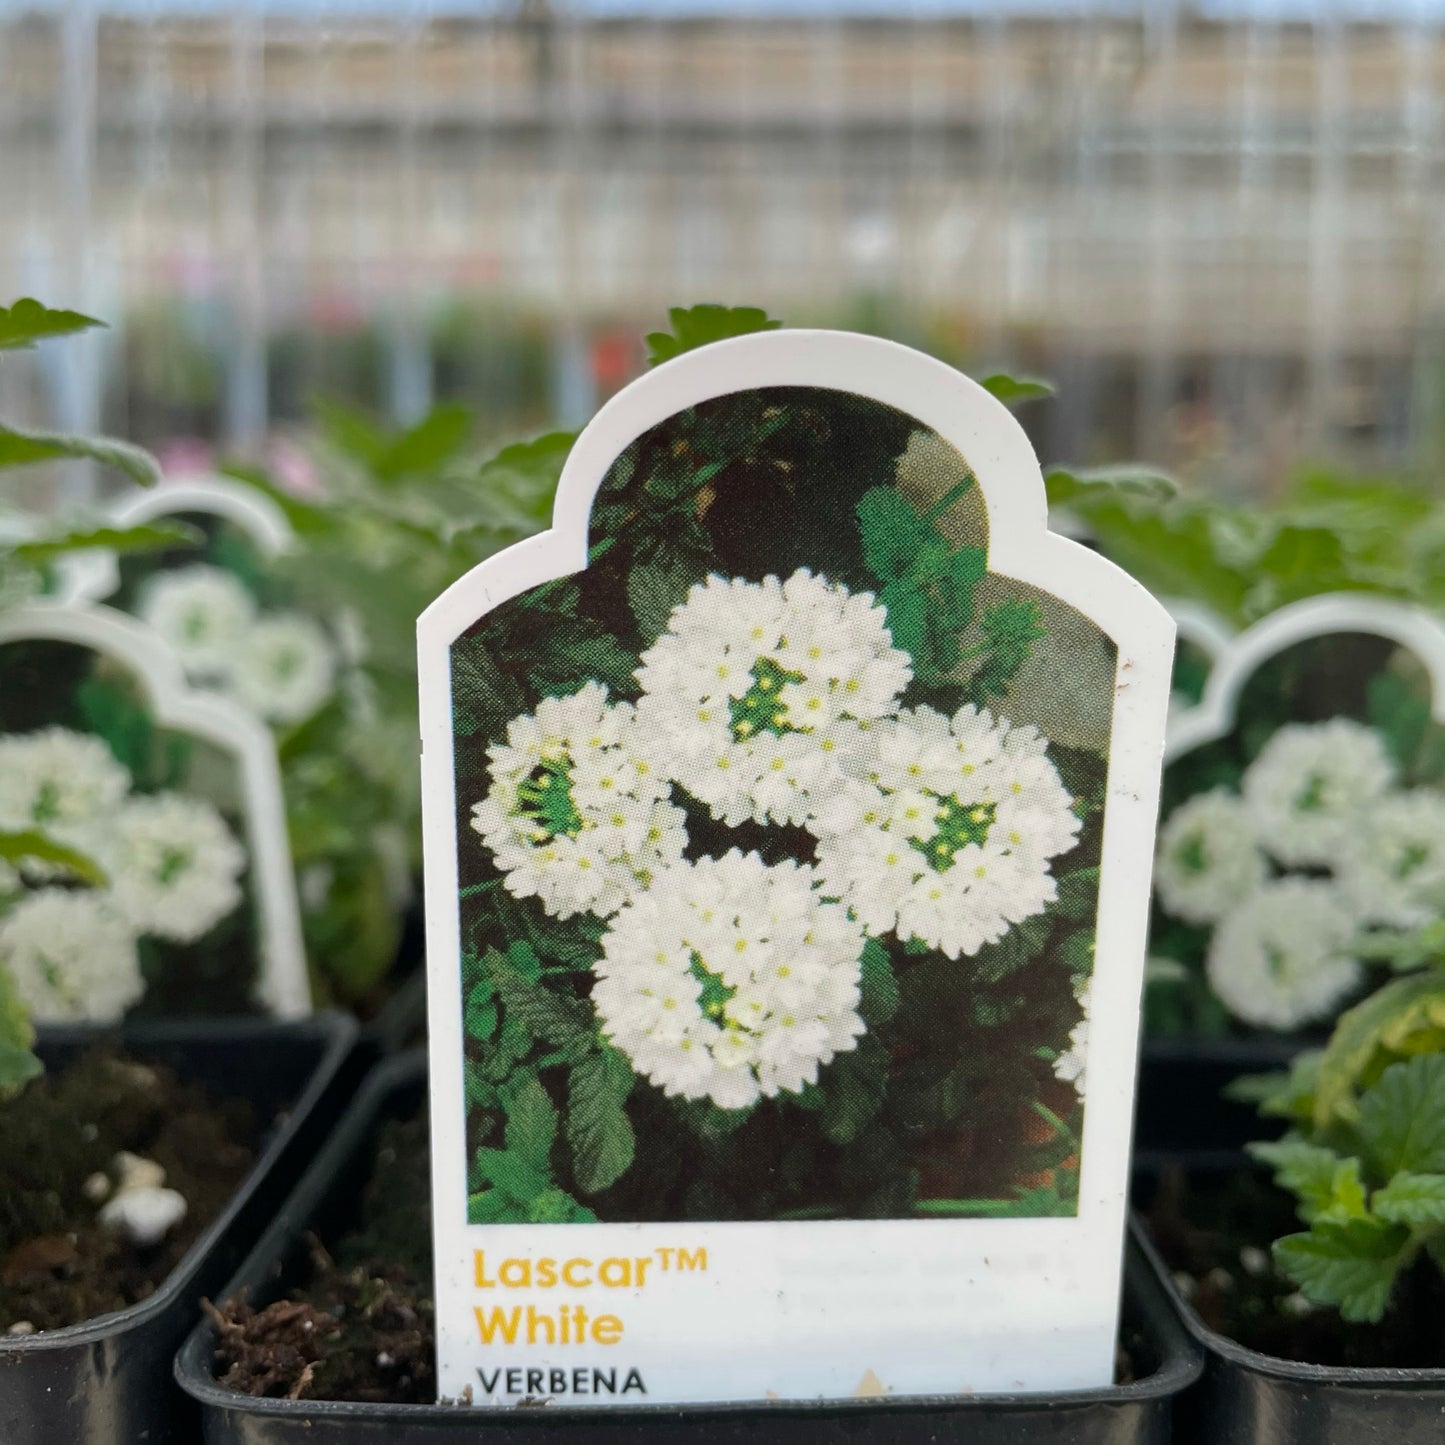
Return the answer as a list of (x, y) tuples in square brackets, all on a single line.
[(1302, 840), (779, 802), (172, 798), (1201, 638)]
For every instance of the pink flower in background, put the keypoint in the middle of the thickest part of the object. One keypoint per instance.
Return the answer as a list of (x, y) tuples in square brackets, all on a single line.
[(292, 468), (186, 456)]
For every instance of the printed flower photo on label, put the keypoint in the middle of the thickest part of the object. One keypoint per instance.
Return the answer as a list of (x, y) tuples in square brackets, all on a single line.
[(779, 832), (1303, 852)]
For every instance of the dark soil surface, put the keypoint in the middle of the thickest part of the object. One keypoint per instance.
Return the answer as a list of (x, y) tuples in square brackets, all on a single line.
[(362, 1327), (1215, 1234), (58, 1264)]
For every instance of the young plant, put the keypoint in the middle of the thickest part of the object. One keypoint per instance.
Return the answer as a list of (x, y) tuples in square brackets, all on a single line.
[(1365, 1158)]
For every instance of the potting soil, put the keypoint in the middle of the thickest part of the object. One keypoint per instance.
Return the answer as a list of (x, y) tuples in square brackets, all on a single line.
[(59, 1142)]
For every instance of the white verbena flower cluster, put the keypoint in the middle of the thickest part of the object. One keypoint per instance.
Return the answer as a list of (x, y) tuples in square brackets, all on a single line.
[(280, 665), (1322, 797), (771, 702), (172, 871)]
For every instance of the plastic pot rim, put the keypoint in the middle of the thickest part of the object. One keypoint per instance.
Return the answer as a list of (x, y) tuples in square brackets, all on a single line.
[(1180, 1365), (340, 1031), (1273, 1366)]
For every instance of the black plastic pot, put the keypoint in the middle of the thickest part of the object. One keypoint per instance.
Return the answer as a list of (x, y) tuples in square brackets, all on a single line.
[(108, 1381), (1135, 1414), (1181, 1110), (1247, 1398), (401, 1022)]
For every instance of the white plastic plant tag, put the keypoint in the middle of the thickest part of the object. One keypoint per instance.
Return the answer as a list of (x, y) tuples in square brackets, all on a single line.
[(171, 798), (1302, 842), (779, 802)]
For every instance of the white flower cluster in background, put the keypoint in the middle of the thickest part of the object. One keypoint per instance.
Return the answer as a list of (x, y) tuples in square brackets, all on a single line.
[(730, 979), (1322, 797), (279, 665), (769, 702), (576, 815), (172, 871)]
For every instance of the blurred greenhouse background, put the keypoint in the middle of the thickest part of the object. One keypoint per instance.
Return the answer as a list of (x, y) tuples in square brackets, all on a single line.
[(1218, 230)]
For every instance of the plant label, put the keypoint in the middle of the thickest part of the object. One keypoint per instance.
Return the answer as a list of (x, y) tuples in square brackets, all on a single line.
[(789, 809), (1303, 832)]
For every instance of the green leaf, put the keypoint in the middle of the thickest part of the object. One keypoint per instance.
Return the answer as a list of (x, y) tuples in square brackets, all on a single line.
[(1012, 390), (1405, 1015), (653, 591), (1414, 1200), (28, 321), (29, 844), (1402, 1119), (694, 326), (480, 1018), (1078, 893), (24, 448), (565, 1023), (1326, 1185), (152, 537), (854, 1087), (598, 1129), (435, 439), (878, 985), (1352, 1265), (532, 1124), (515, 1175), (18, 1064), (893, 533)]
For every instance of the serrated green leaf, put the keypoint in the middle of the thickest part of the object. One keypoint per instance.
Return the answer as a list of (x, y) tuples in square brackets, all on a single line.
[(30, 844), (878, 985), (1352, 1265), (1414, 1200), (531, 1124), (1371, 1035), (694, 326), (523, 958), (1013, 390), (512, 1173), (1402, 1119), (565, 1023), (1078, 893), (1326, 1184), (152, 537), (25, 448), (854, 1087), (29, 321), (653, 591), (599, 1132)]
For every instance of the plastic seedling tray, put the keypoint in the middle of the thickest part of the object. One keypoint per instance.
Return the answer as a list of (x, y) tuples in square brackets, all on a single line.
[(107, 1381), (1133, 1414)]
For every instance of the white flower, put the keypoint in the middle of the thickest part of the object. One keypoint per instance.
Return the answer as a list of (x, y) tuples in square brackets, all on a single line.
[(1282, 958), (1207, 861), (731, 980), (72, 956), (1306, 789), (285, 668), (757, 690), (949, 839), (203, 612), (59, 782), (173, 866), (1072, 1065), (576, 815), (1393, 867)]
